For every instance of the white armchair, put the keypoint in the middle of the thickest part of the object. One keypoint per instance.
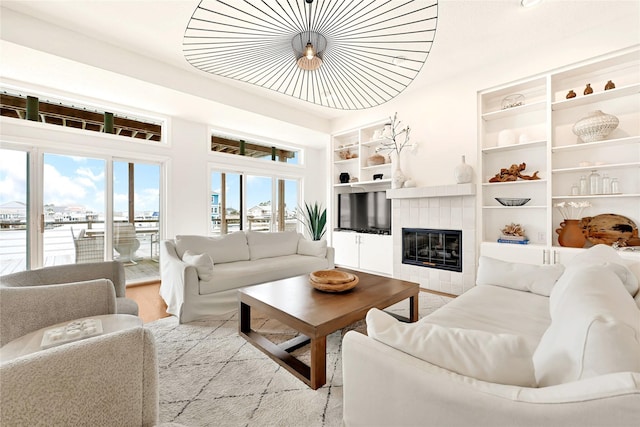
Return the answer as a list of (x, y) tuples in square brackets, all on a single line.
[(125, 241), (109, 379)]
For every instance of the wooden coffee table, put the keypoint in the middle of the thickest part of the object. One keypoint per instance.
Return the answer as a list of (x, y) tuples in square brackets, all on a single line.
[(316, 314)]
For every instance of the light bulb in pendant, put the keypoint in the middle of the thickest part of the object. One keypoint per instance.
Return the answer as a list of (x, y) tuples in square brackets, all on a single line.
[(309, 51)]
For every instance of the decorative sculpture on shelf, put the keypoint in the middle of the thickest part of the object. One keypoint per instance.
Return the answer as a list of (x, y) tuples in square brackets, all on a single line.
[(395, 140), (513, 173)]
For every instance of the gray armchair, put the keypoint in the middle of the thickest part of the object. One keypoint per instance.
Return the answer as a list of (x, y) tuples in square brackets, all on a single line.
[(112, 270), (109, 379)]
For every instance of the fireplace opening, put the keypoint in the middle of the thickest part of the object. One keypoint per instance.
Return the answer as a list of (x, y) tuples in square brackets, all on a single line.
[(441, 249)]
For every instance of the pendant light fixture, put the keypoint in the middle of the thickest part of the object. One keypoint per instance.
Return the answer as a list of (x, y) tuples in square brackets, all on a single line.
[(344, 55), (309, 55)]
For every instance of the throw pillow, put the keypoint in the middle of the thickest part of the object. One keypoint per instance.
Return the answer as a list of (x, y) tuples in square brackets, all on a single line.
[(606, 256), (227, 248), (202, 263), (595, 329), (538, 279), (312, 247), (268, 245), (496, 358)]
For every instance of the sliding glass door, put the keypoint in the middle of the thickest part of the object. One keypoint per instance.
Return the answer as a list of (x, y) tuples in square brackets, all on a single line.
[(59, 208), (14, 203), (73, 209)]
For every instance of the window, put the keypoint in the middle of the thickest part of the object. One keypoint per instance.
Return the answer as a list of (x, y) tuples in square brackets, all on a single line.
[(241, 147), (246, 202), (85, 118)]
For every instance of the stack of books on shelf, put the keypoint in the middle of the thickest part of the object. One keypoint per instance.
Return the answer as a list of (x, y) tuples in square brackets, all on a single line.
[(519, 240)]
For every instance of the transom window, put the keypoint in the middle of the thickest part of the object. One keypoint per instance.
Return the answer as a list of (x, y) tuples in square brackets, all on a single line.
[(256, 150), (62, 114)]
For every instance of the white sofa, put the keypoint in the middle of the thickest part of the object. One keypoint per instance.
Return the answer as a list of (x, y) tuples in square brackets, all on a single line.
[(528, 346), (200, 275)]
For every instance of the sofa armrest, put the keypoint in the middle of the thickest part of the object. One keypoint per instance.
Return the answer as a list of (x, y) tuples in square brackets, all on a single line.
[(384, 386), (29, 308), (177, 278), (331, 252)]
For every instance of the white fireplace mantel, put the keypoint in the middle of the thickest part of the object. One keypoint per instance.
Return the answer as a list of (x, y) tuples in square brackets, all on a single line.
[(454, 190)]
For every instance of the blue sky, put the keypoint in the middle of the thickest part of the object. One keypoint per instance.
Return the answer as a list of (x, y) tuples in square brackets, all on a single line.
[(80, 181)]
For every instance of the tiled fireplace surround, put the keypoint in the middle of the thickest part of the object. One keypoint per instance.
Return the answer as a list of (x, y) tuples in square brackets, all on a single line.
[(449, 207)]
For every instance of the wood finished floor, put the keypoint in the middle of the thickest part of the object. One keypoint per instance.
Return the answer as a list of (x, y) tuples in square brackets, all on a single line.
[(151, 306)]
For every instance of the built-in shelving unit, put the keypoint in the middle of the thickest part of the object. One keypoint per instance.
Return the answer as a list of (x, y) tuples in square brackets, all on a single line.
[(546, 121), (360, 251)]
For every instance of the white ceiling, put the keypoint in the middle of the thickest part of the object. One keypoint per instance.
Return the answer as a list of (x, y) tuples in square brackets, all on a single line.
[(470, 34)]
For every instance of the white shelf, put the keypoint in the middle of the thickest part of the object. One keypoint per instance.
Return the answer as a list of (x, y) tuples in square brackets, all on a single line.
[(598, 196), (345, 147), (514, 111), (597, 167), (384, 165), (373, 182), (595, 97), (521, 182), (339, 162), (531, 144), (591, 145), (514, 207), (374, 142)]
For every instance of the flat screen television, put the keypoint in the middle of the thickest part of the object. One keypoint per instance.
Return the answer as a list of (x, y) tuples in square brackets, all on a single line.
[(365, 212)]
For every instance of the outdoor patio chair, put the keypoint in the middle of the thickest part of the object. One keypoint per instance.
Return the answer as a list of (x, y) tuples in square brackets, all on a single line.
[(125, 241), (88, 249)]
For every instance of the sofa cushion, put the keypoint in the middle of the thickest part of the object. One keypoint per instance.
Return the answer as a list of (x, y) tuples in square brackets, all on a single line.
[(496, 358), (234, 275), (268, 245), (202, 263), (538, 279), (491, 309), (312, 247), (595, 329), (227, 248)]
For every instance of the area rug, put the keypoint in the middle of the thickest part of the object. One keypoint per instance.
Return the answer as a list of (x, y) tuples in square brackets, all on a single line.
[(210, 376)]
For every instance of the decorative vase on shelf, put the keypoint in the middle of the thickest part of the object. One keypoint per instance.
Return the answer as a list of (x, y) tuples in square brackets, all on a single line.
[(463, 172), (398, 177), (596, 126), (570, 234)]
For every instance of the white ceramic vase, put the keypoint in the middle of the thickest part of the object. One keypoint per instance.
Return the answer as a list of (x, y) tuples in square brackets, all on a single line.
[(398, 178), (463, 172), (596, 126)]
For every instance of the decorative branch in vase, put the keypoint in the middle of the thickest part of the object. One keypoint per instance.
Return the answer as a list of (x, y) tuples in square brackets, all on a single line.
[(396, 138)]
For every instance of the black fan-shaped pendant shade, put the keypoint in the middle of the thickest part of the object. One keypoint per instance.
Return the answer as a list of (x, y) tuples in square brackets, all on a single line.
[(366, 52)]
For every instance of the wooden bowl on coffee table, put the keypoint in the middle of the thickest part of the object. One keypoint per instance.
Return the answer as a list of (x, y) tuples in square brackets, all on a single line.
[(333, 280)]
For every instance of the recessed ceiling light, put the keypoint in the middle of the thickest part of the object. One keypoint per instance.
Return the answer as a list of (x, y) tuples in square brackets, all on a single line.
[(529, 3)]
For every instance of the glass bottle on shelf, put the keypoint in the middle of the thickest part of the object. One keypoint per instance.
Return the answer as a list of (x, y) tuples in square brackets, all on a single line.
[(615, 186), (594, 182), (575, 190), (584, 190), (606, 184)]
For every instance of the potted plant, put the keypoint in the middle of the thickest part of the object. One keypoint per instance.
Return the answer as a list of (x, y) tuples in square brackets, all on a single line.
[(314, 218)]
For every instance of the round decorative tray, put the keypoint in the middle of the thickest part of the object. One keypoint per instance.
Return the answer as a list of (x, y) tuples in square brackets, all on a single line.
[(333, 280)]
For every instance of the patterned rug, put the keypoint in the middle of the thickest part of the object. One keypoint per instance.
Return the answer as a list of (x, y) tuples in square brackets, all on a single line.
[(210, 376)]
